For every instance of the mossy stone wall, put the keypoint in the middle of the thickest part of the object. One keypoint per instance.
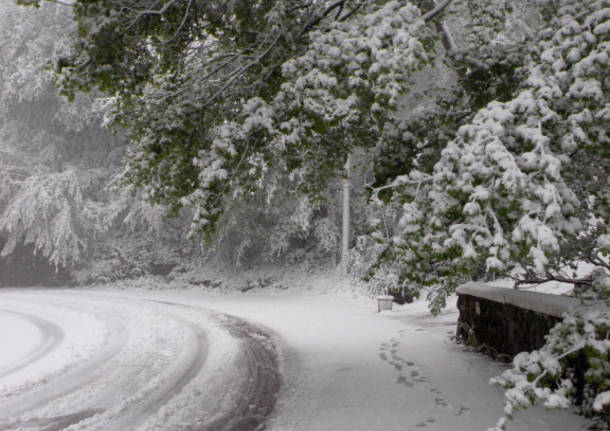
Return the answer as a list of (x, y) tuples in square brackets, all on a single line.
[(505, 328)]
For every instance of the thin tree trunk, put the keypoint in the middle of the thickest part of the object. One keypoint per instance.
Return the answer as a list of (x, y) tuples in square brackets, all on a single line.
[(346, 219)]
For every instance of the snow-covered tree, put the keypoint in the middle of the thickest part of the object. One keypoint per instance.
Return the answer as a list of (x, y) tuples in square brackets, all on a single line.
[(216, 96), (56, 160), (480, 60), (523, 188), (522, 191), (39, 198), (501, 169), (571, 368), (49, 212)]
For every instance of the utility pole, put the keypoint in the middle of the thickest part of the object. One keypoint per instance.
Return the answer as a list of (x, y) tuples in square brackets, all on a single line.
[(346, 218)]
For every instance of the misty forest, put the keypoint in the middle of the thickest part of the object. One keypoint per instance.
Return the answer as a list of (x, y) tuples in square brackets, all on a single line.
[(304, 215)]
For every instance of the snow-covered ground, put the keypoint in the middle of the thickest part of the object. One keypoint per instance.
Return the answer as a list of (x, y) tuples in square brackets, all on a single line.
[(119, 359)]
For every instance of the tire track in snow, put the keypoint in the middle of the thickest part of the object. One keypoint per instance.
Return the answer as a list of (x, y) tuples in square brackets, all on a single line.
[(68, 381), (261, 388), (34, 394), (122, 410), (85, 394), (51, 336), (195, 364), (151, 402), (53, 423), (258, 392)]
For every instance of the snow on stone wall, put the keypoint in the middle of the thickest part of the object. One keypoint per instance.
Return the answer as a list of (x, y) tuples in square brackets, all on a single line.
[(505, 322), (553, 305), (508, 321)]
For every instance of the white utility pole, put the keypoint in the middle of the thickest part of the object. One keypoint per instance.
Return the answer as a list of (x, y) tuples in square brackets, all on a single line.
[(346, 219)]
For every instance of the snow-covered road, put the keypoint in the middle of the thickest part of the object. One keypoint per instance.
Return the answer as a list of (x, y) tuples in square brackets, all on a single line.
[(96, 361), (173, 360)]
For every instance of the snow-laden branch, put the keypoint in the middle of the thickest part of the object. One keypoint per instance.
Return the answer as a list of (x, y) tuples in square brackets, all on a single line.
[(400, 181)]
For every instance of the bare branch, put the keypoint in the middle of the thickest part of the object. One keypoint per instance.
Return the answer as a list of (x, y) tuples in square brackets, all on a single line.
[(448, 38), (148, 12), (186, 13), (223, 65), (351, 12), (428, 16), (598, 261), (340, 11), (238, 73), (317, 17), (61, 3)]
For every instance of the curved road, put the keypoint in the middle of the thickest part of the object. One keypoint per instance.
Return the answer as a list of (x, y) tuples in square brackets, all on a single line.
[(106, 362)]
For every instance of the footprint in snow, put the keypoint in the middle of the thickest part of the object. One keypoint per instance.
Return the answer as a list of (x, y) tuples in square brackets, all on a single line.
[(459, 409), (440, 402), (397, 365), (388, 352), (409, 375), (425, 422)]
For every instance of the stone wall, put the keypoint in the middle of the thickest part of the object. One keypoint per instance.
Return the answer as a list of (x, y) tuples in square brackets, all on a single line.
[(506, 320), (509, 321), (505, 328)]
